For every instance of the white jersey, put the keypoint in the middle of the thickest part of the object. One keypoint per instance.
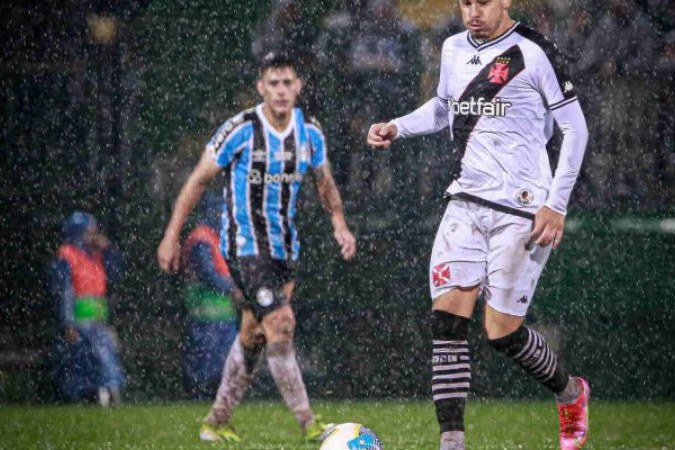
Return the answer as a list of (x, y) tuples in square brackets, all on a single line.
[(500, 99)]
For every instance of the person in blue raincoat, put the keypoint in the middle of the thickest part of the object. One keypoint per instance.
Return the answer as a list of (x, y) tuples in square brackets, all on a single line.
[(209, 293), (85, 266)]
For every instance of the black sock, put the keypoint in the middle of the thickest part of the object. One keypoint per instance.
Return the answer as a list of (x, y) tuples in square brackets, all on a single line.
[(451, 363), (530, 350)]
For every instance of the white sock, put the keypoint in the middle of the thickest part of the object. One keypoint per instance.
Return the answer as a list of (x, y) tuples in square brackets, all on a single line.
[(452, 440), (571, 392)]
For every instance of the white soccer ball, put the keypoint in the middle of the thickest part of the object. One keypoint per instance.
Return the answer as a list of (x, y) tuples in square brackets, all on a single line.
[(350, 436)]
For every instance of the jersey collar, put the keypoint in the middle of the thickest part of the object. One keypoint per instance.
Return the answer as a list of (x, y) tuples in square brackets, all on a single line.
[(280, 134), (478, 46)]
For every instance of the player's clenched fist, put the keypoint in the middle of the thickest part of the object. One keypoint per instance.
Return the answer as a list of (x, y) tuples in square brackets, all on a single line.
[(381, 135)]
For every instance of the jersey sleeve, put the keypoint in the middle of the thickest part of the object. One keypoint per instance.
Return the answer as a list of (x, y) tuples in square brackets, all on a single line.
[(571, 121), (555, 84), (229, 139), (442, 89), (317, 143), (560, 97), (431, 116)]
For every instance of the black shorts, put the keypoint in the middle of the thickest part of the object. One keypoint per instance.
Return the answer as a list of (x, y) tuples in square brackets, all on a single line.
[(260, 278)]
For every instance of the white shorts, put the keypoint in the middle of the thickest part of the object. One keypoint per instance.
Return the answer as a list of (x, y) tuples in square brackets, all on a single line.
[(478, 246)]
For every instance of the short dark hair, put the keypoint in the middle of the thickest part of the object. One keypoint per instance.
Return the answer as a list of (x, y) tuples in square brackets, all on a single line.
[(277, 60)]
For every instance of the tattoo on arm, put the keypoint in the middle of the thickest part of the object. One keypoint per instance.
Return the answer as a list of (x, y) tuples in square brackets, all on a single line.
[(327, 189)]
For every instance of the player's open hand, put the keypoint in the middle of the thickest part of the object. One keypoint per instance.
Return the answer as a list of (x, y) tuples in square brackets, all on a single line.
[(346, 241), (168, 254), (548, 228), (381, 135)]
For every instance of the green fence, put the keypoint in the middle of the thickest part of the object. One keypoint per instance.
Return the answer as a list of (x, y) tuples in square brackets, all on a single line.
[(605, 301)]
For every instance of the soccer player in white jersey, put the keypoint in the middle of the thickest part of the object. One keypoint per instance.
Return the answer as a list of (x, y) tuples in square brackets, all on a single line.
[(502, 85)]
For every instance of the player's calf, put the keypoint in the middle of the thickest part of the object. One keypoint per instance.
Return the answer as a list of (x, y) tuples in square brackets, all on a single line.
[(451, 365), (530, 351), (288, 378), (238, 372)]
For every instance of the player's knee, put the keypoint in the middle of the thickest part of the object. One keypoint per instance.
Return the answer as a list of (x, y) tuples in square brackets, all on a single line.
[(497, 329), (447, 326), (281, 325), (509, 342), (252, 337)]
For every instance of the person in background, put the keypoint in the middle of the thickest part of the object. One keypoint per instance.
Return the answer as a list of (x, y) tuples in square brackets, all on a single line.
[(209, 296), (85, 267), (366, 52), (289, 30)]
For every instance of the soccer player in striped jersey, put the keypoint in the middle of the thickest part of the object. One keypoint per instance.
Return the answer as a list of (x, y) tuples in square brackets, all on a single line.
[(502, 86), (264, 153)]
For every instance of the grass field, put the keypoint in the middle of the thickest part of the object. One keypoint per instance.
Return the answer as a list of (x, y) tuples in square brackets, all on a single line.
[(401, 425)]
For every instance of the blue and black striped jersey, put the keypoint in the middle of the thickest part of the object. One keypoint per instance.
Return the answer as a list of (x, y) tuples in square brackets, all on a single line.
[(263, 170)]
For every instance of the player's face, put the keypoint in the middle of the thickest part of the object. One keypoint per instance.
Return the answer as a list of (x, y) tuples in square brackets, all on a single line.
[(90, 234), (279, 88), (485, 19)]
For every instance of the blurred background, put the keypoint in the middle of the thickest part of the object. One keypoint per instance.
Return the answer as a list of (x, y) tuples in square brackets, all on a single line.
[(106, 106)]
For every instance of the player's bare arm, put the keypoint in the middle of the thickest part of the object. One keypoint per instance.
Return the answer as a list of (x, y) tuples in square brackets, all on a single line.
[(381, 135), (332, 202), (168, 252)]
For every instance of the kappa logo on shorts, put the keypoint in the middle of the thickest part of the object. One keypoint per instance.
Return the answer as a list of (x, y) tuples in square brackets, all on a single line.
[(523, 300), (440, 274)]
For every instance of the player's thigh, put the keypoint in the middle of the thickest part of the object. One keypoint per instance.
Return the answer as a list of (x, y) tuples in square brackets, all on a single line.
[(279, 325), (250, 330), (458, 301), (266, 283), (512, 270), (459, 254), (498, 324)]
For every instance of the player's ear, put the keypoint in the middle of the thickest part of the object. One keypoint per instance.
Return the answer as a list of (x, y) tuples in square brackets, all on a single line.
[(260, 86), (299, 83)]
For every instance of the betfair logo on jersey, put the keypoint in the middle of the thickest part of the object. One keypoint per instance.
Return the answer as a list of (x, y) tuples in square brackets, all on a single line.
[(479, 107), (255, 177)]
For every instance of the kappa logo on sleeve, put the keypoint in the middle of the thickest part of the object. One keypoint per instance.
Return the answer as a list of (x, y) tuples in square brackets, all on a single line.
[(440, 274)]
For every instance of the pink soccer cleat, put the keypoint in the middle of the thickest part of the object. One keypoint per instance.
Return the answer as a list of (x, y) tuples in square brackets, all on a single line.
[(574, 419)]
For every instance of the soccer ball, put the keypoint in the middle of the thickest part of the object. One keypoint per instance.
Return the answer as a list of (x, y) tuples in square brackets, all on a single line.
[(350, 436)]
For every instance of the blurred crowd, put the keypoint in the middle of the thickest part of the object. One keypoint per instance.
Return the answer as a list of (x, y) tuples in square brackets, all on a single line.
[(366, 62)]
